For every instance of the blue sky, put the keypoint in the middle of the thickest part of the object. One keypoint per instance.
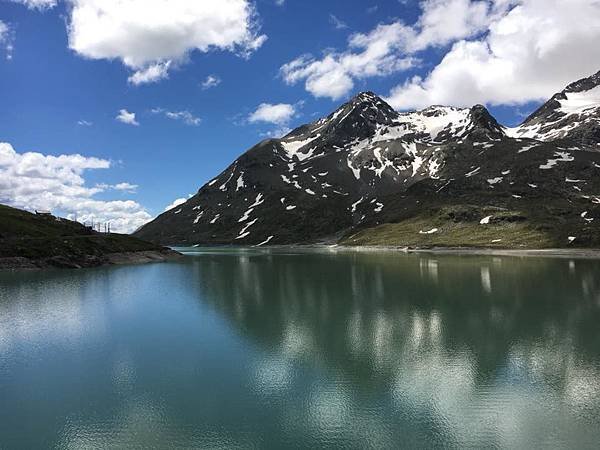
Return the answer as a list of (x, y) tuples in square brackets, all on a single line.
[(62, 91)]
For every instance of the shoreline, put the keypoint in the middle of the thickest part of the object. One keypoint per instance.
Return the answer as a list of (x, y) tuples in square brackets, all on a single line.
[(8, 264), (577, 253), (88, 261)]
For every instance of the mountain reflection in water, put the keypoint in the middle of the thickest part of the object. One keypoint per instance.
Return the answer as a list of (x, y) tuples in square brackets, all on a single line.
[(500, 348), (279, 348)]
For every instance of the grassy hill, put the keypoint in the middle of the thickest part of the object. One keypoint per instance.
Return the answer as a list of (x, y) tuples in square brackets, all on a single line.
[(425, 218), (33, 241)]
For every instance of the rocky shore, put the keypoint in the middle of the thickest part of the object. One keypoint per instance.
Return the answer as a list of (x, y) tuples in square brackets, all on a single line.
[(86, 261)]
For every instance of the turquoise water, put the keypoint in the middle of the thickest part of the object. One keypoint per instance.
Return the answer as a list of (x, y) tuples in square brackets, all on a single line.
[(303, 349)]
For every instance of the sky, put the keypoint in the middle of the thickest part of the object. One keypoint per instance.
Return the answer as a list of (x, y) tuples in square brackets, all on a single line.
[(114, 110)]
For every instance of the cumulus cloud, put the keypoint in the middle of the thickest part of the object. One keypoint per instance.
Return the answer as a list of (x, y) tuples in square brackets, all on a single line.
[(152, 36), (184, 116), (210, 82), (368, 55), (151, 74), (127, 117), (393, 47), (277, 114), (444, 21), (37, 4), (6, 39), (33, 180), (533, 49)]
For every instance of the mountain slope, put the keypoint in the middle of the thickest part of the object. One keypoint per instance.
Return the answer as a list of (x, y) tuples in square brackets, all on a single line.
[(366, 165), (572, 114)]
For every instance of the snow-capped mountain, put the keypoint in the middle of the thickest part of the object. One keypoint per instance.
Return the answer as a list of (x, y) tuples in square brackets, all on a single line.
[(571, 114), (366, 164)]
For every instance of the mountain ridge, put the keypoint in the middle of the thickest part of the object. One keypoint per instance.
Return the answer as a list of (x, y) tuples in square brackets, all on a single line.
[(366, 164), (561, 116)]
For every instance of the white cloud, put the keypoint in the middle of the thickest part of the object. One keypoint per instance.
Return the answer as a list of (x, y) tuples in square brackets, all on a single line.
[(125, 187), (337, 23), (368, 55), (278, 114), (185, 116), (127, 117), (530, 52), (210, 82), (176, 202), (391, 48), (151, 73), (152, 36), (36, 181), (443, 21), (6, 39), (84, 123), (37, 4)]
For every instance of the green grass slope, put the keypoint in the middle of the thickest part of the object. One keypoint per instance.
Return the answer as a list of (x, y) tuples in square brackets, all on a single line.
[(459, 226), (50, 241)]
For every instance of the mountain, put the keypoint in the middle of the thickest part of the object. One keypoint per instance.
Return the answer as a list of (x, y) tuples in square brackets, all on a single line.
[(446, 176), (33, 241), (572, 115)]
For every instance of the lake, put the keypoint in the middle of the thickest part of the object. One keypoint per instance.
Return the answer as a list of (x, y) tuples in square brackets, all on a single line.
[(259, 348)]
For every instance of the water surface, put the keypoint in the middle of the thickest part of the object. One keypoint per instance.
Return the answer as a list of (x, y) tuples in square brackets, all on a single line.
[(288, 348)]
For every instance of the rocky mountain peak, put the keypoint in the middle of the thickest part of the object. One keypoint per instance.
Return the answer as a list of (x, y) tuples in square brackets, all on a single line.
[(365, 97), (365, 107), (585, 84), (484, 125), (358, 118), (437, 110), (572, 113), (447, 123), (549, 109)]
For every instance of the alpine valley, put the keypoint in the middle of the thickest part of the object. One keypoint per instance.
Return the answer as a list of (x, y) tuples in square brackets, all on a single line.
[(440, 177)]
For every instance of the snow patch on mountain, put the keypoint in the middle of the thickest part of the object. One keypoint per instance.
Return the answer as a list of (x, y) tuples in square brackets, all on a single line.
[(240, 182), (433, 120), (560, 157), (573, 112), (292, 148), (243, 231), (580, 102)]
